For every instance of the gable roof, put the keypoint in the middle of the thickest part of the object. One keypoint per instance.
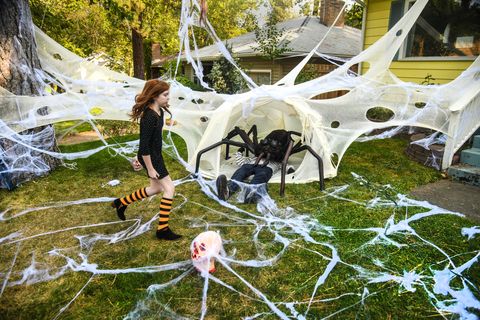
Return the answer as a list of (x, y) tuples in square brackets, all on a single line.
[(304, 33)]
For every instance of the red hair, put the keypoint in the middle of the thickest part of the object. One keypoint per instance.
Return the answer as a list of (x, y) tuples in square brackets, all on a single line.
[(152, 89)]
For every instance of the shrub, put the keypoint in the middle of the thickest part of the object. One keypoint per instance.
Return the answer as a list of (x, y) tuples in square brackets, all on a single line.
[(189, 83), (114, 128)]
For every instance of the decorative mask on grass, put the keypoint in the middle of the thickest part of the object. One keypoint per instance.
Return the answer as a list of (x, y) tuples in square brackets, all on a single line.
[(204, 248)]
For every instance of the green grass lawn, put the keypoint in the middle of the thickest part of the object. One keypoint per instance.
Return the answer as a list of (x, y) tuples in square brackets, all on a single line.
[(71, 127), (291, 278)]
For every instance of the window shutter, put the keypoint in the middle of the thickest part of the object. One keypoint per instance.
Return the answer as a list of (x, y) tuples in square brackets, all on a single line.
[(396, 13)]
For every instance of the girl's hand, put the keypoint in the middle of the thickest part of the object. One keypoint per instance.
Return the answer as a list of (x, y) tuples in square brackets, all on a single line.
[(137, 166), (169, 122), (153, 174)]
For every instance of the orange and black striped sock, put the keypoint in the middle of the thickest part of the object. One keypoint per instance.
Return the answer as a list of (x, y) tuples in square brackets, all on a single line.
[(120, 204), (165, 208), (137, 195)]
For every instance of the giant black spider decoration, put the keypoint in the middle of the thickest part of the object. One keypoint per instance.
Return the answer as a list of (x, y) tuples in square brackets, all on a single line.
[(278, 146)]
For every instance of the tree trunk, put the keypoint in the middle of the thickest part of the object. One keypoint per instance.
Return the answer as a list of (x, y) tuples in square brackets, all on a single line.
[(147, 54), (18, 51), (19, 71), (138, 58)]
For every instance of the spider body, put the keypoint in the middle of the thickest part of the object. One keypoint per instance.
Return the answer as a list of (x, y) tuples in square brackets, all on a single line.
[(274, 146), (277, 146)]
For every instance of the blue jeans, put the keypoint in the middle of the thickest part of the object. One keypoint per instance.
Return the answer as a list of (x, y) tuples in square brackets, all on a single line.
[(260, 175)]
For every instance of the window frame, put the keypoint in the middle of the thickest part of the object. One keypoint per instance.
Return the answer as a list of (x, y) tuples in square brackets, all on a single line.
[(403, 48), (269, 71)]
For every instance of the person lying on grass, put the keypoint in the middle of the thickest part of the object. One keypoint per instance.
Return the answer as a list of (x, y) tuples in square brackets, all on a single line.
[(261, 170)]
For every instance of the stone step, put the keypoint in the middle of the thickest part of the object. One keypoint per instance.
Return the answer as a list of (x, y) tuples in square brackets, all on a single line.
[(465, 173), (476, 142), (471, 157), (429, 157)]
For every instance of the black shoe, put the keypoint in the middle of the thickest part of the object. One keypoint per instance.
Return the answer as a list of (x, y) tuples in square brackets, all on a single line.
[(167, 234), (120, 207), (250, 200), (222, 188)]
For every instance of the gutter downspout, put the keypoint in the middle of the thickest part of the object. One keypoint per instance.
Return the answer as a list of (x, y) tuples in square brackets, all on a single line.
[(362, 39)]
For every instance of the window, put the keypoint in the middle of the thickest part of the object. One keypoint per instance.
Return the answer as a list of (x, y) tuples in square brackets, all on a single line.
[(207, 68), (261, 76), (445, 28)]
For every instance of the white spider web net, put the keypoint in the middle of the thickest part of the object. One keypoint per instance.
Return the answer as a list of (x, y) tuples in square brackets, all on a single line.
[(92, 92), (273, 232)]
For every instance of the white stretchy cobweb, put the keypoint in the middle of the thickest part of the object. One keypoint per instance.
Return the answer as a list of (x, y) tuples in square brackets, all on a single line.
[(444, 281), (92, 92), (328, 126)]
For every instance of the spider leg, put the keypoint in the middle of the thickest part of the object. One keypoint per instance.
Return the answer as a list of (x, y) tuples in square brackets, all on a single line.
[(243, 135), (236, 131), (320, 163), (284, 167), (266, 160), (246, 139), (253, 131), (296, 147), (300, 148), (295, 133), (213, 146), (260, 156)]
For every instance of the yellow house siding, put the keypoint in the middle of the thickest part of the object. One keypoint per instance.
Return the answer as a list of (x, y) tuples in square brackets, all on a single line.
[(374, 33), (376, 25), (380, 5), (441, 71), (379, 24), (378, 13)]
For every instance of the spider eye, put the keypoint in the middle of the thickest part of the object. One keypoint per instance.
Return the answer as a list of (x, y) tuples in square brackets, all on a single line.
[(273, 143), (264, 142)]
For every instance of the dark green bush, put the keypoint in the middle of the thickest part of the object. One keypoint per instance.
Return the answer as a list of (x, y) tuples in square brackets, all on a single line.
[(113, 128), (189, 83)]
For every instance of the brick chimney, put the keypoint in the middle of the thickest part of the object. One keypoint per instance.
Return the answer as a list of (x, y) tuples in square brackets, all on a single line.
[(329, 10), (156, 51)]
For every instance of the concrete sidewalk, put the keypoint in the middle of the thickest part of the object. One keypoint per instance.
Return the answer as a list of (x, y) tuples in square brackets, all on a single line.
[(452, 195)]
